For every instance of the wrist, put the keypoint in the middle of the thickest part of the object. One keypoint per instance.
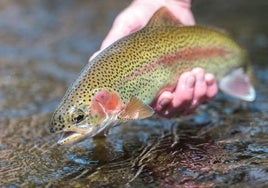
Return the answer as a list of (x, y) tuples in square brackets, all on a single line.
[(182, 3)]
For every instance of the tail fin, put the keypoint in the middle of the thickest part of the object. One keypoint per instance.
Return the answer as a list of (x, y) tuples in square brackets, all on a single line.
[(238, 84)]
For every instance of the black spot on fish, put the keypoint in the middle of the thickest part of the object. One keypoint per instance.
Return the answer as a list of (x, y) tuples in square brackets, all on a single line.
[(61, 120), (52, 130)]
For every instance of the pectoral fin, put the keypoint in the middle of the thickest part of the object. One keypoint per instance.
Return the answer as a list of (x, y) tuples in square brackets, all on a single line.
[(136, 109), (237, 84)]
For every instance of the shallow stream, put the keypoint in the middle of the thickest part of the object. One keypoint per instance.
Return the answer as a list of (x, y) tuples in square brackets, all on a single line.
[(43, 46)]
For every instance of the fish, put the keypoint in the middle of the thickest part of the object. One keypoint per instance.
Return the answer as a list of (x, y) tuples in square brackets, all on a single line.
[(122, 81)]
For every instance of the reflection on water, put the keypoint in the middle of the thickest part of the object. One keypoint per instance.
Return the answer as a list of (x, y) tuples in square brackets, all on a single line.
[(43, 45)]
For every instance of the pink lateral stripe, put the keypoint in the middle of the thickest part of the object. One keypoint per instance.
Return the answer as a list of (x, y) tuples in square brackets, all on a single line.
[(190, 54)]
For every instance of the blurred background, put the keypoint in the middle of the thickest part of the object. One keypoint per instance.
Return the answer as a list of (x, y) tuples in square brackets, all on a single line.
[(45, 44)]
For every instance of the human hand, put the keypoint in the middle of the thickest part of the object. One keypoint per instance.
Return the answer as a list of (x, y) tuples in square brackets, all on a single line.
[(139, 12), (194, 87)]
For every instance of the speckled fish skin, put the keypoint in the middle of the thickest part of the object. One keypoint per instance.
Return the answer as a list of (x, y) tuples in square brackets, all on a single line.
[(144, 62)]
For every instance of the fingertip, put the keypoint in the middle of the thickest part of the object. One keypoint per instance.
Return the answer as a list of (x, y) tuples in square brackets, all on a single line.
[(184, 91), (199, 74), (210, 79), (200, 86), (190, 82), (186, 80), (212, 86), (163, 100), (212, 91), (198, 70)]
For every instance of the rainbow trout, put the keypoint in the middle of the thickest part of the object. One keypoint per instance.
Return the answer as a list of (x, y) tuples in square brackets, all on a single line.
[(122, 81)]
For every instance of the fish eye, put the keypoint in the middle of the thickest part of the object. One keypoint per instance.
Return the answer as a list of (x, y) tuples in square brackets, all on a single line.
[(78, 116)]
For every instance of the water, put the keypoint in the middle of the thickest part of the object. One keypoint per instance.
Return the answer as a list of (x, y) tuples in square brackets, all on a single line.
[(44, 44)]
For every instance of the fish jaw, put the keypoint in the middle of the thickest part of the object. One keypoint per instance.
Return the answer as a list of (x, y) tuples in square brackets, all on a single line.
[(76, 134), (69, 137)]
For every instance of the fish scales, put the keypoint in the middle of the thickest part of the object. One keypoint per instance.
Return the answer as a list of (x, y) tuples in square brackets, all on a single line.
[(116, 66)]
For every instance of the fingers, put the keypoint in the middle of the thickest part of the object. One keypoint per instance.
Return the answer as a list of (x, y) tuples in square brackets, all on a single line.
[(193, 89), (181, 97), (127, 22), (200, 90), (212, 86), (184, 91), (163, 100), (123, 25)]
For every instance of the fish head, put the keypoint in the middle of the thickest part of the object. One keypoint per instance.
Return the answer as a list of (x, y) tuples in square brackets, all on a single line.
[(80, 119), (78, 116), (74, 122)]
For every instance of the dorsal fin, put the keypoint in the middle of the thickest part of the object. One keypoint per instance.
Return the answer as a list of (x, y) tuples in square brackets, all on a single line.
[(163, 17)]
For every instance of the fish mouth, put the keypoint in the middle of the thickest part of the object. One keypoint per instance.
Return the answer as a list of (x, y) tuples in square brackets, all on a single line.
[(70, 137), (79, 133), (75, 134)]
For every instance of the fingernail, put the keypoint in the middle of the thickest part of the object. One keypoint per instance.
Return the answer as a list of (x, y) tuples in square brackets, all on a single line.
[(199, 73), (190, 82), (209, 78), (163, 102)]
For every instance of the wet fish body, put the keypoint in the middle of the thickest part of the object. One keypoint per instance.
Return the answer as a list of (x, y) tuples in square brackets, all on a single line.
[(123, 80)]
